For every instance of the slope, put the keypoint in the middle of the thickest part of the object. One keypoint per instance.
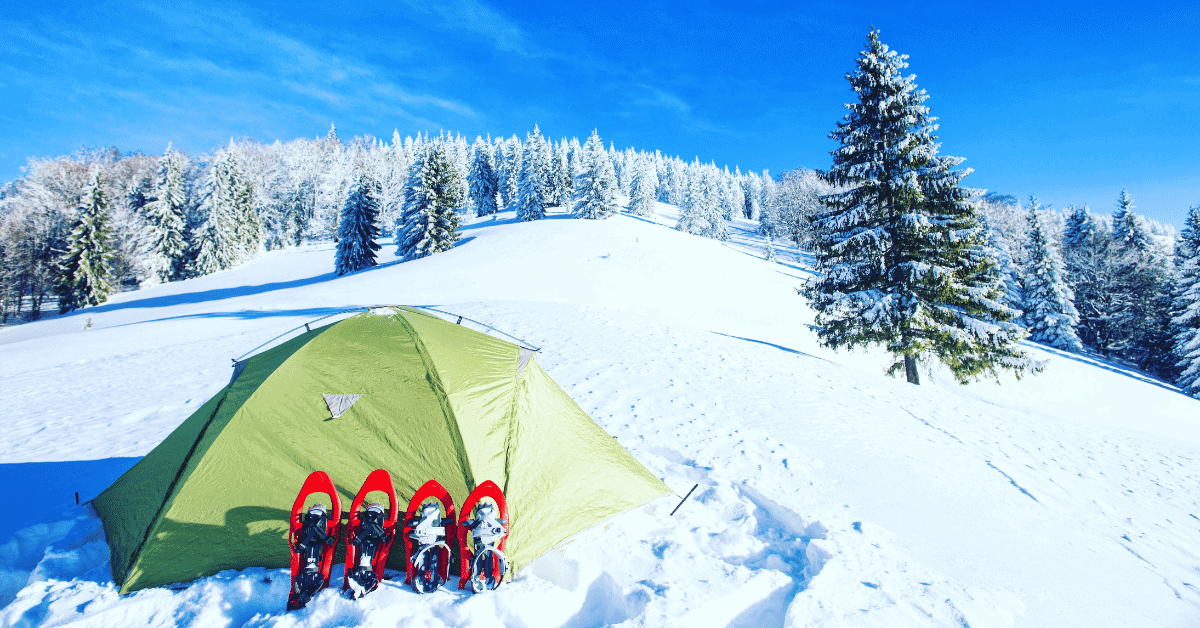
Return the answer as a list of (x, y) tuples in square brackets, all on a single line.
[(829, 494)]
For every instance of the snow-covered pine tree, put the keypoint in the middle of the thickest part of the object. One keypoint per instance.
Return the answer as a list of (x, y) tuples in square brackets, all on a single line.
[(701, 211), (1127, 227), (1050, 315), (167, 220), (359, 226), (901, 251), (642, 189), (533, 182), (562, 177), (1079, 229), (595, 194), (484, 184), (1186, 306), (752, 191), (510, 181), (431, 216), (417, 199), (248, 227), (84, 272), (769, 250), (1140, 316), (1006, 268), (226, 196)]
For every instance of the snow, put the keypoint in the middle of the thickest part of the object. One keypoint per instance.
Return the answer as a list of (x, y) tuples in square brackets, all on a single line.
[(828, 494)]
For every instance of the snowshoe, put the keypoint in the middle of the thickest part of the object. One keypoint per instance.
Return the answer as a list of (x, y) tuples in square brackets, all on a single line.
[(427, 527), (482, 534), (369, 536), (312, 535)]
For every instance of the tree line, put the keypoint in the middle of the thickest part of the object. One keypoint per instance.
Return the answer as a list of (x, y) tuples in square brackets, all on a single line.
[(75, 229)]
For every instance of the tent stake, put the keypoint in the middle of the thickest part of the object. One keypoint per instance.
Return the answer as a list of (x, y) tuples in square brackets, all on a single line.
[(683, 500)]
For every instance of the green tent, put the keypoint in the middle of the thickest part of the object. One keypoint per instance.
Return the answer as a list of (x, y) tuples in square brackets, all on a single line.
[(412, 393)]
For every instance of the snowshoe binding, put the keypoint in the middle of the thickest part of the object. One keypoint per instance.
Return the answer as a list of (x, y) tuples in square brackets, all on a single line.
[(369, 536), (427, 527), (481, 539), (312, 536)]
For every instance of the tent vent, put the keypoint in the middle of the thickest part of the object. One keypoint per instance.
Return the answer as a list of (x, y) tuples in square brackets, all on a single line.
[(339, 404), (523, 359), (238, 367)]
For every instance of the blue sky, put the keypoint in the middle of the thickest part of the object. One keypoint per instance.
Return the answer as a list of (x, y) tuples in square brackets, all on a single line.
[(1071, 103)]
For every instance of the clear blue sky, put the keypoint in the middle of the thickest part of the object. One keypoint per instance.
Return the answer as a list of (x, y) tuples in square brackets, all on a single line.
[(1069, 103)]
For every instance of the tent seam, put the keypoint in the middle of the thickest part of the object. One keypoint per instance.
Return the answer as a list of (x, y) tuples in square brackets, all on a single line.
[(171, 489), (435, 379)]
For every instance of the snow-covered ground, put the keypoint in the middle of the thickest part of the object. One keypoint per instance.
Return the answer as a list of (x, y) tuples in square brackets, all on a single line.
[(829, 494)]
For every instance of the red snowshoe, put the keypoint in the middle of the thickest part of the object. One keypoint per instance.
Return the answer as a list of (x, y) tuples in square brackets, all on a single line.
[(482, 534), (312, 536), (427, 528), (369, 535)]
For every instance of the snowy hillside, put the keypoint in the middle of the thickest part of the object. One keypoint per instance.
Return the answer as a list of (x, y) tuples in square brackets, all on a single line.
[(829, 494)]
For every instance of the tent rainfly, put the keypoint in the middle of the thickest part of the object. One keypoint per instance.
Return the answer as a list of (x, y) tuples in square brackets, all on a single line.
[(392, 388)]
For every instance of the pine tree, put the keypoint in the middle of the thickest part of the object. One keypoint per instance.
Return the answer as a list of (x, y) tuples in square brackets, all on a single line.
[(752, 192), (595, 194), (642, 189), (1127, 227), (484, 184), (562, 177), (1050, 315), (769, 250), (901, 250), (167, 221), (1141, 297), (510, 179), (1006, 269), (84, 271), (533, 182), (1079, 230), (430, 212), (359, 226), (232, 232), (701, 213), (416, 198), (1186, 306)]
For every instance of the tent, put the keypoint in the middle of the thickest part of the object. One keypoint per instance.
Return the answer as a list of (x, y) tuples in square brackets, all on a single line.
[(390, 388)]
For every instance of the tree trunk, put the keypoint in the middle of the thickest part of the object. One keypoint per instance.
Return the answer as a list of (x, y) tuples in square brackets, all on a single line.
[(910, 369)]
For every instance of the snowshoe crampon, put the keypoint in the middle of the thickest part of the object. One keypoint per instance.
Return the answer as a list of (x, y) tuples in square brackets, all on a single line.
[(427, 527), (369, 535), (482, 535), (312, 535)]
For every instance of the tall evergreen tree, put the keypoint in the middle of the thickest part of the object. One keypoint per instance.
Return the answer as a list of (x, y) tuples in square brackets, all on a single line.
[(167, 221), (484, 183), (701, 211), (901, 251), (642, 189), (562, 178), (430, 213), (1006, 269), (84, 271), (417, 200), (1079, 230), (359, 226), (1127, 227), (1050, 315), (1140, 286), (232, 232), (511, 177), (533, 182), (1186, 306), (595, 194)]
